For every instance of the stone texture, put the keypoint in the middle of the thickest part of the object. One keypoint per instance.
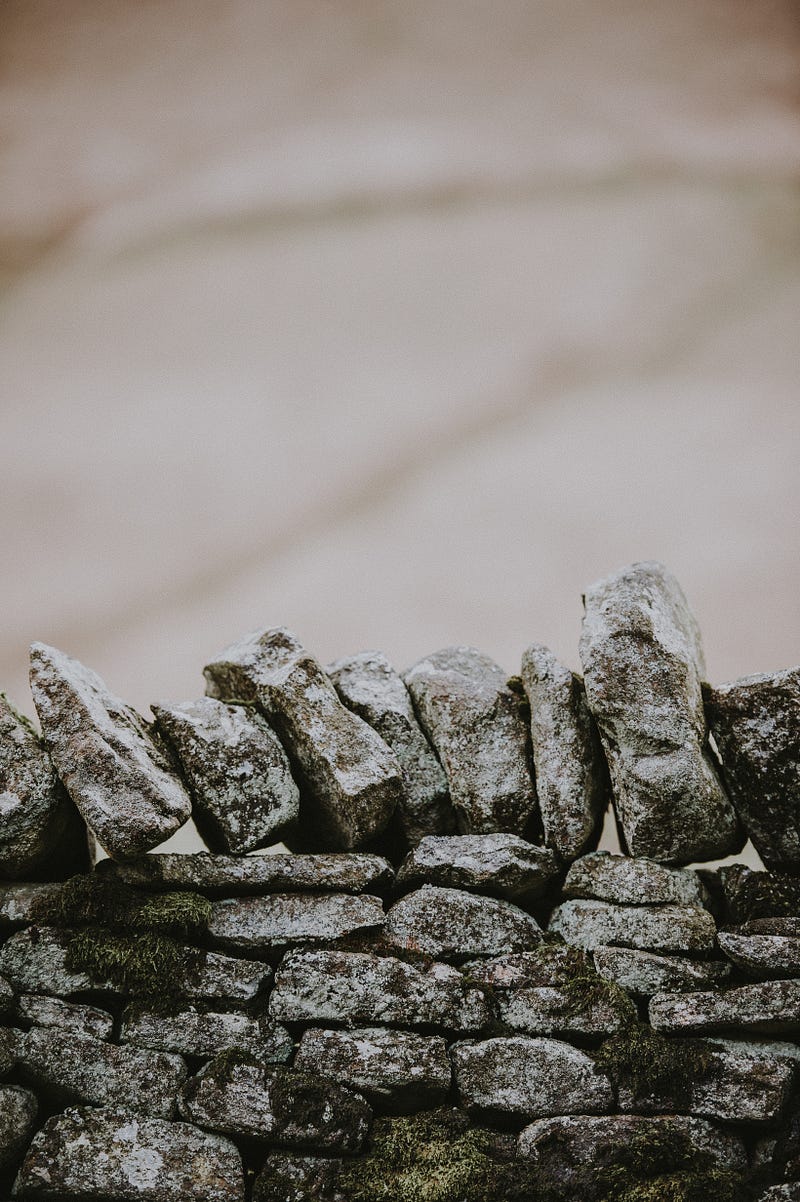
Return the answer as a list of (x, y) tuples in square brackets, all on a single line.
[(18, 1110), (90, 1155), (238, 774), (646, 973), (19, 901), (69, 1017), (572, 780), (350, 780), (356, 989), (643, 663), (770, 1008), (747, 894), (193, 1032), (475, 723), (262, 924), (449, 924), (8, 1049), (762, 955), (502, 864), (113, 767), (524, 1078), (591, 924), (787, 1191), (294, 1178), (757, 1049), (370, 687), (394, 1070), (6, 996), (756, 726), (633, 881)]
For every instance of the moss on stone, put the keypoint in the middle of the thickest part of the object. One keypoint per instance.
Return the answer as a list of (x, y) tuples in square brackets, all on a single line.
[(661, 1165), (765, 895), (649, 1063), (97, 901), (148, 967), (569, 969)]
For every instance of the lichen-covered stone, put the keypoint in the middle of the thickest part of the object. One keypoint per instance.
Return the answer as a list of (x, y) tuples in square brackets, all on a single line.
[(394, 1070), (633, 881), (237, 876), (358, 989), (449, 924), (769, 1007), (572, 780), (238, 774), (757, 1049), (9, 1039), (591, 924), (292, 1178), (350, 780), (643, 664), (370, 687), (114, 769), (193, 1032), (474, 721), (747, 894), (18, 1110), (262, 924), (762, 955), (237, 1096), (501, 864), (756, 726), (71, 1017), (787, 1191), (6, 996), (19, 902), (646, 973), (522, 1078), (91, 1155)]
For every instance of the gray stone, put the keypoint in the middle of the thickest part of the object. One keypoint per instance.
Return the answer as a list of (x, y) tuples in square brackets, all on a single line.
[(70, 1017), (9, 1039), (114, 768), (262, 924), (770, 1008), (394, 1070), (788, 1191), (449, 924), (100, 1073), (524, 1078), (357, 989), (351, 781), (757, 1049), (646, 973), (286, 1107), (756, 726), (18, 1109), (572, 780), (501, 864), (90, 1155), (748, 895), (633, 881), (786, 928), (235, 876), (591, 924), (475, 723), (762, 955), (294, 1178), (643, 664), (6, 996), (370, 687), (19, 902), (193, 1032)]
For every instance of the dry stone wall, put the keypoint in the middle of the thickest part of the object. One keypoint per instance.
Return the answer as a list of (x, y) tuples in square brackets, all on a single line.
[(443, 991)]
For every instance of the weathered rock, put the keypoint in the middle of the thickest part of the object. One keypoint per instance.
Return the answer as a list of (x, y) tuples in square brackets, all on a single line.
[(262, 924), (9, 1038), (757, 1049), (238, 774), (747, 894), (235, 876), (787, 1191), (528, 1078), (643, 664), (370, 687), (572, 780), (762, 955), (19, 902), (100, 1073), (357, 989), (770, 1008), (756, 726), (6, 996), (18, 1110), (286, 1107), (351, 781), (451, 925), (501, 864), (113, 767), (646, 973), (786, 928), (591, 924), (293, 1178), (394, 1070), (474, 721), (633, 881), (70, 1017), (192, 1032), (90, 1155)]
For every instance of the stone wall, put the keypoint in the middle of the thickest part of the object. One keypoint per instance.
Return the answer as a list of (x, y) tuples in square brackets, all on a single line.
[(443, 990)]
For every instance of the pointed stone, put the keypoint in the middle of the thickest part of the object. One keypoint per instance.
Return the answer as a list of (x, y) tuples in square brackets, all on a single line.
[(643, 664), (193, 1032), (646, 973), (591, 924), (572, 780), (633, 881), (756, 726), (475, 723), (18, 1110), (262, 924), (762, 955), (770, 1008), (69, 1017), (237, 771), (113, 767), (449, 924), (502, 864), (351, 781)]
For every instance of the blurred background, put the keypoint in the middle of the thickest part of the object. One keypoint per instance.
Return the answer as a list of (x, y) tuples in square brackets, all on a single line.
[(394, 322)]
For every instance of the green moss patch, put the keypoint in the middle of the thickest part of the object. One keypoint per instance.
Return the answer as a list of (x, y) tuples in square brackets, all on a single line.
[(149, 968), (93, 900), (660, 1165), (649, 1063), (569, 969)]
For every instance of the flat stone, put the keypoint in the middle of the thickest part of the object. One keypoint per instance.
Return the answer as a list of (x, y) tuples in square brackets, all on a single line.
[(262, 924), (762, 955), (449, 924), (633, 881), (646, 973), (100, 1073), (235, 876), (770, 1008), (643, 664), (528, 1078), (756, 726), (18, 1110), (192, 1032), (358, 989), (591, 924), (572, 781), (289, 1108), (757, 1049), (394, 1070), (90, 1155), (114, 768), (475, 723), (294, 1178), (19, 902), (350, 781), (502, 864), (786, 928), (369, 686), (238, 774), (73, 1017)]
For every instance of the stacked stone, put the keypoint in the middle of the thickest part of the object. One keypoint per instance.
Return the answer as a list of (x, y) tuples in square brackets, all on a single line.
[(441, 951)]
